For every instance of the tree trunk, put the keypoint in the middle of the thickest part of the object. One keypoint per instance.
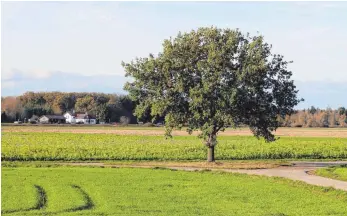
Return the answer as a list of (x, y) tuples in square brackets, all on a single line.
[(210, 155)]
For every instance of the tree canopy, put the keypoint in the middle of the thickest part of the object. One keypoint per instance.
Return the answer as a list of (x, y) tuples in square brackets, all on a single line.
[(212, 78)]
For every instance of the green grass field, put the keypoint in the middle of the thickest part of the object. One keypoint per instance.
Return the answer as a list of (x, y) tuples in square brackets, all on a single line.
[(76, 147), (338, 172), (126, 191)]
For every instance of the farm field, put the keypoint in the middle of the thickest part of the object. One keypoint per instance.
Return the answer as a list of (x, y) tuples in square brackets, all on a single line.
[(338, 172), (28, 146), (138, 130), (33, 158), (127, 191)]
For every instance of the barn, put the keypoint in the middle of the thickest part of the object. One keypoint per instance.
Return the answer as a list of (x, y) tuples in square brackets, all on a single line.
[(51, 119)]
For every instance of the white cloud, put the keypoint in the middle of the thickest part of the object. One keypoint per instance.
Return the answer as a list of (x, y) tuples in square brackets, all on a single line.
[(40, 74)]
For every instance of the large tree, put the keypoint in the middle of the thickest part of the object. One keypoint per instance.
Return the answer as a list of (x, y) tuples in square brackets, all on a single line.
[(210, 79)]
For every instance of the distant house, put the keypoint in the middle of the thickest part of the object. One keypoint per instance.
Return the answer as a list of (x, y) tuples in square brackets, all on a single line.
[(46, 119), (85, 118), (79, 118), (70, 117), (34, 118)]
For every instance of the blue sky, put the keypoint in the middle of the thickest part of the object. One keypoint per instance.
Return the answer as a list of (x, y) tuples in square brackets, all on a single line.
[(78, 46)]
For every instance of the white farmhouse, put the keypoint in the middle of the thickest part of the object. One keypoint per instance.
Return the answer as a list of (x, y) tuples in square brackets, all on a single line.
[(79, 118), (70, 117)]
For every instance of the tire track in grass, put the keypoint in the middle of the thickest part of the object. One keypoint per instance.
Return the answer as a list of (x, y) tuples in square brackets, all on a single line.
[(89, 204), (41, 203), (42, 198)]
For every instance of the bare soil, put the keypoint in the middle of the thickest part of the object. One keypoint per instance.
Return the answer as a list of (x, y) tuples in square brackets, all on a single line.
[(192, 164), (294, 132)]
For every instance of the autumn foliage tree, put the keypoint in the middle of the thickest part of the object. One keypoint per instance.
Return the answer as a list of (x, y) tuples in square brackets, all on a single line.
[(85, 104), (211, 79)]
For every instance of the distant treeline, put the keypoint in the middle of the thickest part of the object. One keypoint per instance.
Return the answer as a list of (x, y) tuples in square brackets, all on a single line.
[(315, 117), (106, 107), (111, 108)]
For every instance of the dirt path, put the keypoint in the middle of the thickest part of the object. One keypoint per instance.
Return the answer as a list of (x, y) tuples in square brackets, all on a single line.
[(299, 174), (299, 171)]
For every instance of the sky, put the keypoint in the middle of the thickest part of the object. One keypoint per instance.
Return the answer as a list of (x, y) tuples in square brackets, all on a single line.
[(79, 46)]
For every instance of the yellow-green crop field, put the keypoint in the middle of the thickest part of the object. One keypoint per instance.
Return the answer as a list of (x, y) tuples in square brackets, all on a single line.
[(27, 146)]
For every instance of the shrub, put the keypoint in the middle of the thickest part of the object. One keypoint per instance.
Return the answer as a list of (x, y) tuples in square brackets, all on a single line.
[(148, 124), (124, 120)]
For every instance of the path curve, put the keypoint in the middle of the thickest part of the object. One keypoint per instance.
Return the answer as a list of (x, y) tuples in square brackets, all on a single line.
[(298, 171)]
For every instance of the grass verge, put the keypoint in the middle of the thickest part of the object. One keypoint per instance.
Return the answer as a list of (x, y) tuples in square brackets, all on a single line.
[(336, 172)]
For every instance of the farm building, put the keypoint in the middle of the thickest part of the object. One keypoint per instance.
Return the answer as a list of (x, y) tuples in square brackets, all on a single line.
[(81, 118), (70, 117), (85, 118), (34, 118), (46, 119)]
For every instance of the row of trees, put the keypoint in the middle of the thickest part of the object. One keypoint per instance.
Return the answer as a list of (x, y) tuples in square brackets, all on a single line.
[(315, 117), (106, 107), (111, 107)]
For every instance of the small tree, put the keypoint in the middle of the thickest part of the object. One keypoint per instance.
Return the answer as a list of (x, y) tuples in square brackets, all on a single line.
[(124, 120), (3, 116), (343, 120), (101, 111), (211, 79), (313, 110), (342, 111)]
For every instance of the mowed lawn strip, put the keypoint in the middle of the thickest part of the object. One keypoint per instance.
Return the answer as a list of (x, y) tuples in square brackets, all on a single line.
[(338, 172), (133, 191), (77, 147)]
